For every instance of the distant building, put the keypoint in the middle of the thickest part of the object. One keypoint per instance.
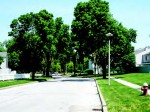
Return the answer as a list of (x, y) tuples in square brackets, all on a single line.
[(8, 74), (92, 67), (143, 59)]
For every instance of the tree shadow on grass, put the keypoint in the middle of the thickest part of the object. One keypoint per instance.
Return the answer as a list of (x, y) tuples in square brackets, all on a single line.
[(40, 80), (77, 80), (85, 75), (119, 77)]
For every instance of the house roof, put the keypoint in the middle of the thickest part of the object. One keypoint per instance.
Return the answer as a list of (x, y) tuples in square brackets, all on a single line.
[(147, 53), (3, 54), (141, 50)]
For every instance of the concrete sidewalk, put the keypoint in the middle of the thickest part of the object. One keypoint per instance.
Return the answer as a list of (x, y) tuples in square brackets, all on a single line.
[(126, 83)]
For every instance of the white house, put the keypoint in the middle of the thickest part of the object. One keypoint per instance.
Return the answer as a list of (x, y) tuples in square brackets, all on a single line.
[(92, 67), (8, 74), (143, 59)]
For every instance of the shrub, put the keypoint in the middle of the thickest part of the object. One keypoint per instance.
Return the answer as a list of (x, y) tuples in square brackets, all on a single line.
[(89, 71), (70, 67)]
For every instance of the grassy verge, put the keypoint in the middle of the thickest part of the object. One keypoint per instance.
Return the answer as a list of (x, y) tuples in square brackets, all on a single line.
[(136, 78), (13, 82), (22, 81), (120, 98)]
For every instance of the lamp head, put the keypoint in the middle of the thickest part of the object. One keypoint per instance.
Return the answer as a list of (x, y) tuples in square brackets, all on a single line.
[(109, 34)]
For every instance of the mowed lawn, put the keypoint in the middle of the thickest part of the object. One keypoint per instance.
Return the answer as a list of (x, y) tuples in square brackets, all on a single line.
[(136, 78), (13, 82), (7, 83), (120, 98)]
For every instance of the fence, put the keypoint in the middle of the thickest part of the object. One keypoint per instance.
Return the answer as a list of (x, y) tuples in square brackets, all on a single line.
[(16, 76)]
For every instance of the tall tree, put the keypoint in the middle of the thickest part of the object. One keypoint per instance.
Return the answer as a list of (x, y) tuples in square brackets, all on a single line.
[(35, 40), (26, 43), (13, 56), (124, 51), (64, 40), (91, 24), (45, 29), (80, 28)]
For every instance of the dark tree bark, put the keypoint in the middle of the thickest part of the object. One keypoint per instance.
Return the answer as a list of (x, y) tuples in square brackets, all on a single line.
[(44, 73), (104, 70), (33, 75), (94, 67), (48, 65), (74, 63)]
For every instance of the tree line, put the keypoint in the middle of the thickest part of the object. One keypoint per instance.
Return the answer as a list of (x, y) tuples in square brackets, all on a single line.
[(38, 40), (92, 22)]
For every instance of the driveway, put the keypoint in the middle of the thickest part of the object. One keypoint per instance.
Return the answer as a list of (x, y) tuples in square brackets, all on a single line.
[(59, 95)]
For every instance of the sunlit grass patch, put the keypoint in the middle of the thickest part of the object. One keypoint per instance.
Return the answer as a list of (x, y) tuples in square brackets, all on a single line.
[(120, 98)]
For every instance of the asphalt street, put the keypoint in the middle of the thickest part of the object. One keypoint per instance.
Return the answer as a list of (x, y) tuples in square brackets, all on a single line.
[(59, 95)]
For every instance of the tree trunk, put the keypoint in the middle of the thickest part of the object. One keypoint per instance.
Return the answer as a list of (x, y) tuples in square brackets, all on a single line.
[(104, 71), (47, 69), (74, 68), (98, 70), (94, 55), (33, 75), (94, 68), (48, 65), (44, 73), (82, 68), (66, 68)]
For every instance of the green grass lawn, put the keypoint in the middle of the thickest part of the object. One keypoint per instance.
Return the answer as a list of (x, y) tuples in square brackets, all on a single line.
[(136, 78), (120, 98), (22, 81), (13, 82)]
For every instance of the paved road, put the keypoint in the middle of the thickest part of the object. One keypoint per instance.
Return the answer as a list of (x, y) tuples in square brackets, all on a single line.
[(59, 95)]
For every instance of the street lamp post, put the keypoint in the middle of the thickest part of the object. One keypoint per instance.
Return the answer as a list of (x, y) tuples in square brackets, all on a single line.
[(109, 35), (74, 59)]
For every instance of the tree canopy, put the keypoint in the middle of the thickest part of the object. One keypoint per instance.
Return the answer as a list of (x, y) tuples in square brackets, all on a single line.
[(40, 40), (91, 24), (34, 41), (2, 49)]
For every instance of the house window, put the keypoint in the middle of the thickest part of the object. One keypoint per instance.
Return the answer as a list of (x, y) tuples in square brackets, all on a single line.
[(146, 58)]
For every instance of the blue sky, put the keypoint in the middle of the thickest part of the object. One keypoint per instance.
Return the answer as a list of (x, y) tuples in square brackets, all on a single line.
[(131, 13)]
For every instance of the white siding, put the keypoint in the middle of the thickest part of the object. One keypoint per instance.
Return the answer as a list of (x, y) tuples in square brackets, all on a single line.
[(139, 56)]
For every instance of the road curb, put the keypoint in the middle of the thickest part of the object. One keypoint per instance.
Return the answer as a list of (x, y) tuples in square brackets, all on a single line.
[(104, 106)]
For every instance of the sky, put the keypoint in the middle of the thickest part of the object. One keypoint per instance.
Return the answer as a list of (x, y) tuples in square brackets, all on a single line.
[(131, 13)]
